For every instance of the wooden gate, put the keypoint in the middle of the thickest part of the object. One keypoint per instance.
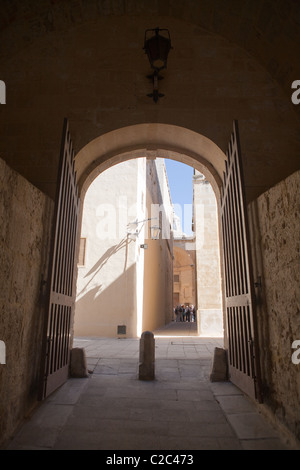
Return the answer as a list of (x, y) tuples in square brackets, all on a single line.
[(61, 295), (239, 288)]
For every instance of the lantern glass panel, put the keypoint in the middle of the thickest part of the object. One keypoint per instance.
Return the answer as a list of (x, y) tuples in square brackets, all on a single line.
[(158, 48)]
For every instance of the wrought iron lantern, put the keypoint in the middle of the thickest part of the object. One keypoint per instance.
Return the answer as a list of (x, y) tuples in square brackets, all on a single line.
[(157, 45)]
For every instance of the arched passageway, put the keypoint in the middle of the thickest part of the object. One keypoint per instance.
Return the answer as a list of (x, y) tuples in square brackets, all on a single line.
[(149, 141), (240, 318), (123, 287), (134, 141), (229, 60)]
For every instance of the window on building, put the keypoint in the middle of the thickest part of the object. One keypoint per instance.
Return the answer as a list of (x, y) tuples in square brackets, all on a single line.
[(176, 277), (82, 250)]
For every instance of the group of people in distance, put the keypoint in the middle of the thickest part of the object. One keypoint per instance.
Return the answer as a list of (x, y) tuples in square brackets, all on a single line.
[(185, 313)]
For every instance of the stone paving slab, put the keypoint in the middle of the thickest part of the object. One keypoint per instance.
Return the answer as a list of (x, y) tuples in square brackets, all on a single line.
[(180, 409)]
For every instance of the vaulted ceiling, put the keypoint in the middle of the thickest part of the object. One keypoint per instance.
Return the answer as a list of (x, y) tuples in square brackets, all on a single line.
[(83, 59), (268, 30)]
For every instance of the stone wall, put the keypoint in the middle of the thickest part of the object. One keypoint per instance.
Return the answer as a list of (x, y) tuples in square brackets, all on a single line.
[(209, 294), (275, 228), (25, 220), (158, 271), (110, 255), (116, 262)]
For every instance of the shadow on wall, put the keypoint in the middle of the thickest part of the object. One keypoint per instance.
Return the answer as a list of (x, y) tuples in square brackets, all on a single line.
[(99, 312), (104, 259)]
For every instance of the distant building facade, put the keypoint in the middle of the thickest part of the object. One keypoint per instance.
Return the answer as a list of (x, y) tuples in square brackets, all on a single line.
[(124, 283), (184, 267), (209, 293)]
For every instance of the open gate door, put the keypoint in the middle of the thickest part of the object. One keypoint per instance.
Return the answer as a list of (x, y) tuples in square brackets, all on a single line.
[(243, 357), (57, 334)]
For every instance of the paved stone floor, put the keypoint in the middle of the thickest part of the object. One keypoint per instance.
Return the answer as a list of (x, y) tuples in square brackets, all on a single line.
[(180, 410)]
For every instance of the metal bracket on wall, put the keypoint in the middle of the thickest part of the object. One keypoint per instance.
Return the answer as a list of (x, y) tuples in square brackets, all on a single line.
[(258, 282)]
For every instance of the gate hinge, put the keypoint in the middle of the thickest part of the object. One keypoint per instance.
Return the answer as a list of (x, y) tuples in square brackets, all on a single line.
[(258, 282), (43, 290)]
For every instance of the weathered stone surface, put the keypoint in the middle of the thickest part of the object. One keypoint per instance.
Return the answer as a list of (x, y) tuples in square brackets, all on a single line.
[(147, 356), (78, 364), (209, 293), (25, 228), (219, 371), (275, 228)]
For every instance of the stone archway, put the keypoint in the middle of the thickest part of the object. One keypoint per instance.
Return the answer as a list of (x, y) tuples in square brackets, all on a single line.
[(147, 140), (166, 141), (150, 140)]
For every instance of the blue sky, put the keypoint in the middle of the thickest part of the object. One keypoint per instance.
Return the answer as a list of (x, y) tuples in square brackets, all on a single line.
[(180, 178)]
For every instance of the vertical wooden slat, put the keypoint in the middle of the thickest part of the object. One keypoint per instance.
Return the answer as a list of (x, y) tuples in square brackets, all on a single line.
[(250, 340), (73, 225), (51, 336), (64, 233), (69, 257), (230, 280), (234, 339), (227, 256), (237, 336), (238, 247), (244, 340), (231, 210), (59, 227), (246, 334), (241, 247)]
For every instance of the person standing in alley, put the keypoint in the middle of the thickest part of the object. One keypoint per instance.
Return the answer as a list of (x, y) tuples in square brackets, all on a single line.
[(187, 313), (183, 312)]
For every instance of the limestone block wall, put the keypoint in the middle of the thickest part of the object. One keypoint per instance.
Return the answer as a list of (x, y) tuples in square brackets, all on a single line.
[(106, 282), (209, 294), (158, 271), (275, 228), (122, 283), (25, 229)]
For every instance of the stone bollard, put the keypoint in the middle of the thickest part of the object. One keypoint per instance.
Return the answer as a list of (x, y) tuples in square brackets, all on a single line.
[(219, 371), (147, 356), (78, 366)]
